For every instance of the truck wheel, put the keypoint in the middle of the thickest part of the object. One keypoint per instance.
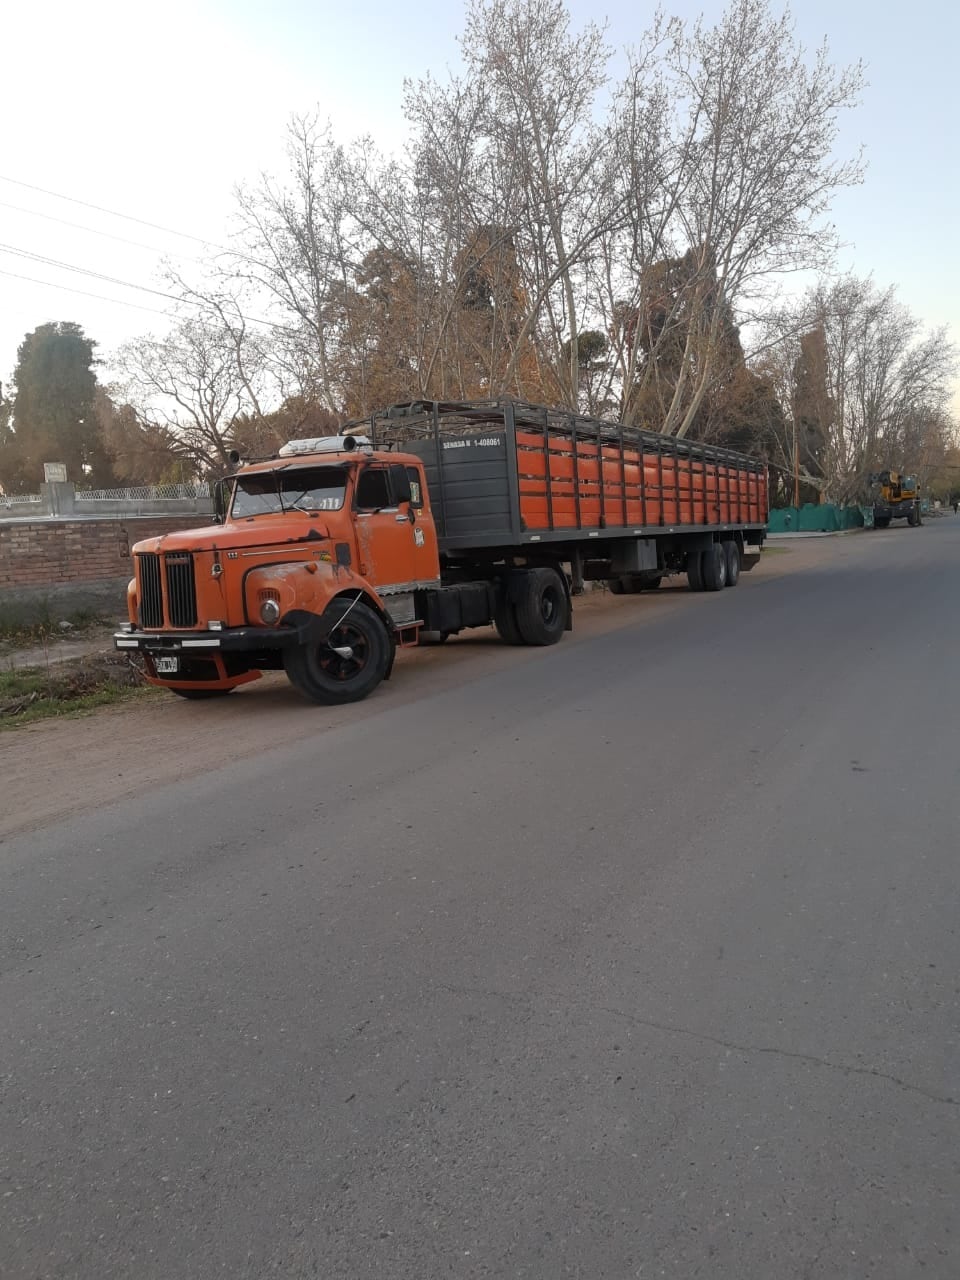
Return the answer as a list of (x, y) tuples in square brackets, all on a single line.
[(348, 665), (732, 553), (543, 609), (194, 695), (714, 568), (505, 620), (881, 522), (650, 584), (695, 570), (616, 586)]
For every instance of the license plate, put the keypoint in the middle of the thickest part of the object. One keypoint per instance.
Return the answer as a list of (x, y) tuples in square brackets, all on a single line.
[(167, 666)]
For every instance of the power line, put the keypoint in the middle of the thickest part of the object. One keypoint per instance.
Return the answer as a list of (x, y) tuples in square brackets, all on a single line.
[(83, 271), (107, 235), (113, 213), (119, 302), (57, 264), (52, 284)]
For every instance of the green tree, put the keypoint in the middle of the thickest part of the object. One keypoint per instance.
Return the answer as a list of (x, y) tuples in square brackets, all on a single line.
[(54, 413), (140, 452), (11, 458)]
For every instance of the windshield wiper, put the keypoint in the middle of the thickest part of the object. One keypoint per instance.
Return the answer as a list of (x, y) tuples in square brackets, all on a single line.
[(302, 494)]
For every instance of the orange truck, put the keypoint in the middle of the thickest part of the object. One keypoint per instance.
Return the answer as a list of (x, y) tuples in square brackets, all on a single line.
[(422, 521)]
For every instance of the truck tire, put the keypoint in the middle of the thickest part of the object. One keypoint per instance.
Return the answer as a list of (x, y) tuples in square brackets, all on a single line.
[(505, 620), (543, 608), (616, 586), (881, 522), (324, 676), (732, 553), (650, 584), (714, 567), (695, 570)]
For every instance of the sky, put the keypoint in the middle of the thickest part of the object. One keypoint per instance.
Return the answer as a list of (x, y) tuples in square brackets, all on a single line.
[(158, 112)]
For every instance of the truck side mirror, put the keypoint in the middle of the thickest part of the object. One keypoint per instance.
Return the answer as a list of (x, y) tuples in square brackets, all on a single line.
[(399, 484), (219, 501)]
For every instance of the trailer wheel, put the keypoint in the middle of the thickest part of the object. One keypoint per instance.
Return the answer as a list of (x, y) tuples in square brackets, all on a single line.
[(714, 567), (732, 553), (617, 586), (543, 609), (349, 664), (881, 522), (650, 584), (695, 570)]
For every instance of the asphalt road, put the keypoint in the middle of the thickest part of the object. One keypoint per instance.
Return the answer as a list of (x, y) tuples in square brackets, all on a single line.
[(636, 957)]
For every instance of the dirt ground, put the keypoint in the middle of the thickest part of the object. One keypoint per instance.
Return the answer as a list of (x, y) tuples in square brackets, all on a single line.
[(54, 769)]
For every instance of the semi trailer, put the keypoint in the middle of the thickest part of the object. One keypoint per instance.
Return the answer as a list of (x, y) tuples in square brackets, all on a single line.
[(424, 520)]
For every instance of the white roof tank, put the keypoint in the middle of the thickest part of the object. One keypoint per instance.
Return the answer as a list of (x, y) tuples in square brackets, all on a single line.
[(325, 444)]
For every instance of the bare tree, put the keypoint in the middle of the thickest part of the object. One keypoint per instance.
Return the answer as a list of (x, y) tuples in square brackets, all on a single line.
[(880, 399), (747, 173), (542, 85), (533, 205), (190, 385), (293, 250)]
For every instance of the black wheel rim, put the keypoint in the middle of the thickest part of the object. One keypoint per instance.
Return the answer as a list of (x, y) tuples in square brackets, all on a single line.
[(337, 666), (548, 607)]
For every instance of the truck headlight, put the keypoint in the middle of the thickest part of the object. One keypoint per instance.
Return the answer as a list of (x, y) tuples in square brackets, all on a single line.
[(269, 611)]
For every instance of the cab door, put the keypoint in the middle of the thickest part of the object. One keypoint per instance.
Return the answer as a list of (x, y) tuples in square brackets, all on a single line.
[(397, 552)]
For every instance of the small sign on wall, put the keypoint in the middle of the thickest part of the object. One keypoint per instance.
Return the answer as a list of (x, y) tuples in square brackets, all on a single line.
[(54, 473)]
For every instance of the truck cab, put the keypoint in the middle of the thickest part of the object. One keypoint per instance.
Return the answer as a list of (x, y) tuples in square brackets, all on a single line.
[(313, 566)]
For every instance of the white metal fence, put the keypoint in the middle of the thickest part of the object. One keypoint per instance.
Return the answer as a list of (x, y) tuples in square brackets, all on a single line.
[(145, 493)]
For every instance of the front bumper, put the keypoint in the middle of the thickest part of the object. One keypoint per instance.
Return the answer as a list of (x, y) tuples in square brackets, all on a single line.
[(198, 643)]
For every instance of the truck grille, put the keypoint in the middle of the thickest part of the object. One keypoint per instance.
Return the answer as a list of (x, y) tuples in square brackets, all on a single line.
[(181, 596), (151, 597)]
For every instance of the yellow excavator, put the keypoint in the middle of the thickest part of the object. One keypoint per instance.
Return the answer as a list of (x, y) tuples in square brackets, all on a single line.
[(896, 497)]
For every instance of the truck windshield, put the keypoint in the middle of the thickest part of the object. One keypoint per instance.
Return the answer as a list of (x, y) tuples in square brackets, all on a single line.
[(289, 488)]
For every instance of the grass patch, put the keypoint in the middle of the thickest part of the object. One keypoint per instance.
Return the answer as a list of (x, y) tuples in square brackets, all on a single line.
[(775, 551), (68, 688)]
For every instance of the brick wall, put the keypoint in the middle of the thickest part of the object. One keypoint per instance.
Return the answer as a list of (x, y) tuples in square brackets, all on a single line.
[(50, 553)]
